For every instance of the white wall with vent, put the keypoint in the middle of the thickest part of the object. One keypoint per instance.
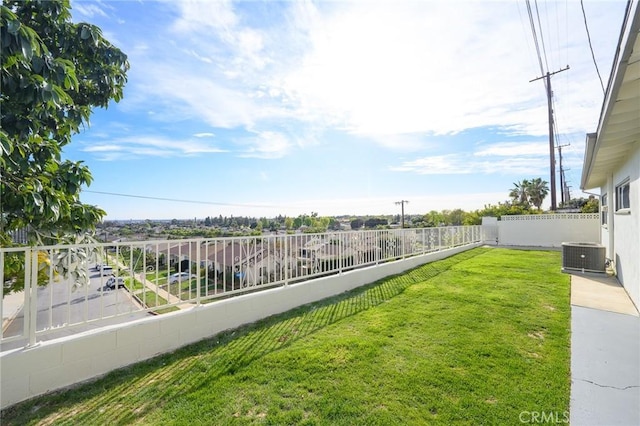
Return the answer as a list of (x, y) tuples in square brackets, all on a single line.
[(548, 230)]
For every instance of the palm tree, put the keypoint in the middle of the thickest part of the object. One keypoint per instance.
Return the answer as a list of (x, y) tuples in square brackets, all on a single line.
[(519, 193), (537, 190)]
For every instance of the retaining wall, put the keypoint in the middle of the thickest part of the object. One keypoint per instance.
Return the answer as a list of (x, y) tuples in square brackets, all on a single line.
[(55, 364)]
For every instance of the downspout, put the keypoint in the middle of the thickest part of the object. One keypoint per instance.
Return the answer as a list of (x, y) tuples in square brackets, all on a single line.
[(611, 222)]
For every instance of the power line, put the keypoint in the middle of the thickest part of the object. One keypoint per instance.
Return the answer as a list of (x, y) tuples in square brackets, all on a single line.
[(544, 50), (593, 56), (535, 36), (181, 201)]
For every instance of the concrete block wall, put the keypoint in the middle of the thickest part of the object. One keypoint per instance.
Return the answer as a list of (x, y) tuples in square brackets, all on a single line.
[(56, 364), (548, 230)]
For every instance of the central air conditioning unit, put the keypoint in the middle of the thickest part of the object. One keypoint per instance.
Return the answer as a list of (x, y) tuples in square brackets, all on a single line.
[(583, 257)]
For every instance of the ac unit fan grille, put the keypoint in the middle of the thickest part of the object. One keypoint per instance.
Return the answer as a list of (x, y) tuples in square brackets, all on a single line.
[(585, 257)]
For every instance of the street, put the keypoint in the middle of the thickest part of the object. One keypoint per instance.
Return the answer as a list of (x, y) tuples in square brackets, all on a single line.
[(63, 312)]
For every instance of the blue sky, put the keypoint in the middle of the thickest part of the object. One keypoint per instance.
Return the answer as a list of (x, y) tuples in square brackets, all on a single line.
[(260, 108)]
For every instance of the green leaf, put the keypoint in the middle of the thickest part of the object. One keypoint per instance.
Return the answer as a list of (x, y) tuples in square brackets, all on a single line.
[(5, 145), (37, 185), (55, 209), (85, 33), (6, 42), (13, 26), (27, 49), (37, 64), (37, 199)]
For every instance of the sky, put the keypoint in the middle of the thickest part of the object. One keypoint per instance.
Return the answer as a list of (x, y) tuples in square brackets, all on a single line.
[(266, 108)]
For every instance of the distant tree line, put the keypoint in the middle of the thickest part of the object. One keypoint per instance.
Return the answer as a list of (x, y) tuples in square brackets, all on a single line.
[(526, 197)]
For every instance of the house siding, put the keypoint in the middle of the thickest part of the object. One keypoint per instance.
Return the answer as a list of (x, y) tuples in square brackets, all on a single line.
[(622, 241)]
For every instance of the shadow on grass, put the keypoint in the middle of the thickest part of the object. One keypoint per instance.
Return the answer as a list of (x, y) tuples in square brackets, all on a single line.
[(130, 393)]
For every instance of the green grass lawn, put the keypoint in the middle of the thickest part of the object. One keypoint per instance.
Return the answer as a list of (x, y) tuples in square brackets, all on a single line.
[(160, 277), (477, 338)]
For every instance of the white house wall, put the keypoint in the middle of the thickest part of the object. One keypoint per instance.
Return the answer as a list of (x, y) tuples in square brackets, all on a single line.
[(626, 227)]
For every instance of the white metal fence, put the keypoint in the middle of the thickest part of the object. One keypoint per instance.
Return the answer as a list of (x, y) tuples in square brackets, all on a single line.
[(72, 288)]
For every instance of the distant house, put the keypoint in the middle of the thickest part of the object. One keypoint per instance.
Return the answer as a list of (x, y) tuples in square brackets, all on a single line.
[(612, 158), (235, 255), (175, 252)]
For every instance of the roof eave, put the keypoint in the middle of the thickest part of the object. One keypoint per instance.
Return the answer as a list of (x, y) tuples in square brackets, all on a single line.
[(628, 35), (589, 157)]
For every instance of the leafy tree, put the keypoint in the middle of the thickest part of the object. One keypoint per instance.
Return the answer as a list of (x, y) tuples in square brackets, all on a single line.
[(591, 206), (334, 224), (455, 217), (586, 205), (433, 218), (308, 220), (322, 222), (298, 222), (472, 218), (288, 223), (501, 209), (54, 72), (357, 223), (375, 222)]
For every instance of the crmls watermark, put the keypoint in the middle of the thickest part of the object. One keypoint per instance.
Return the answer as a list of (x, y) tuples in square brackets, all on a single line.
[(541, 417)]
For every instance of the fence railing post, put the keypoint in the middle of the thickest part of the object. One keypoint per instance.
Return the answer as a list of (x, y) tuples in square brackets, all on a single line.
[(286, 260), (1, 288), (31, 289), (341, 258), (198, 274)]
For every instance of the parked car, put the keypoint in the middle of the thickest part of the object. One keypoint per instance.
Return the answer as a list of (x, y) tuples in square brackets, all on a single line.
[(106, 270), (112, 283), (180, 276)]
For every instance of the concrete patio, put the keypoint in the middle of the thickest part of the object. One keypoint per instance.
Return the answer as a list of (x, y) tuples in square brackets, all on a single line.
[(605, 353)]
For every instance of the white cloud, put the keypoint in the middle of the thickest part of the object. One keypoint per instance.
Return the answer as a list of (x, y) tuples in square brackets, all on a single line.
[(458, 164), (197, 96), (88, 10), (267, 145), (440, 67), (389, 68), (149, 146), (392, 72), (509, 149), (104, 148), (218, 20), (503, 157)]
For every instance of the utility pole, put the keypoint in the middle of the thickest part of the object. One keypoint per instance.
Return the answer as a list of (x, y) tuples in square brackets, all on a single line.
[(552, 159), (402, 203), (562, 182)]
